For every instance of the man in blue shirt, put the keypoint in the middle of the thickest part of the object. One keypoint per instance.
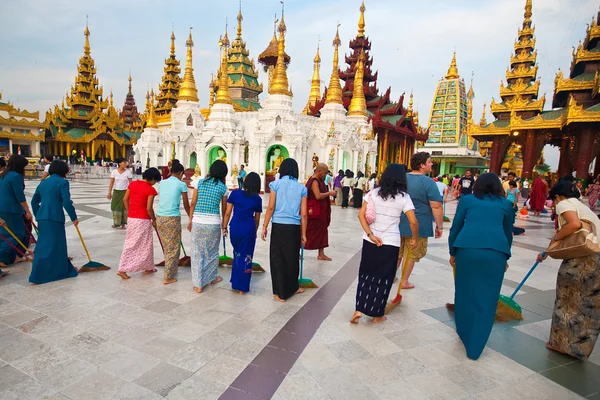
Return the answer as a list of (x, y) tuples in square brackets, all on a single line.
[(428, 206), (241, 176)]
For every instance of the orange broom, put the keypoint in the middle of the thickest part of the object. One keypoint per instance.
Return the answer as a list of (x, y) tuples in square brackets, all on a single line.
[(392, 304)]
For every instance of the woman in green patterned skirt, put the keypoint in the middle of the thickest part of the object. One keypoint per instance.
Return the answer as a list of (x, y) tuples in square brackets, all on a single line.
[(120, 179)]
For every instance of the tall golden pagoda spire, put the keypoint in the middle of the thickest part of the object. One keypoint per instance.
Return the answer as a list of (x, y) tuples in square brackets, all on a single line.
[(315, 84), (410, 112), (358, 104), (280, 80), (483, 120), (168, 93), (361, 21), (173, 43), (223, 96), (470, 97), (129, 79), (240, 18), (188, 89), (453, 70), (151, 121), (86, 45), (334, 92)]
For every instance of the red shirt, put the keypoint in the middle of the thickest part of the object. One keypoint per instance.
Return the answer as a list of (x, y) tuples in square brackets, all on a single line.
[(139, 191)]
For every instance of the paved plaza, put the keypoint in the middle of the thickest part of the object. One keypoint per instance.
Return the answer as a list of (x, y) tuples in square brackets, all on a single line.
[(99, 337)]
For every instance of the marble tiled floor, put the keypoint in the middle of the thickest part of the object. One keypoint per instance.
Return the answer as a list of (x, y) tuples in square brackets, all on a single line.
[(99, 337)]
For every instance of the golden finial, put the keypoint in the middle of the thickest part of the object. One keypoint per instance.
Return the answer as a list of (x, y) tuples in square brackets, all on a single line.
[(111, 98), (315, 85), (452, 71), (173, 43), (528, 8), (282, 28), (223, 96), (470, 97), (240, 18), (483, 120), (188, 89), (151, 121), (129, 79), (280, 80), (224, 41), (361, 21), (334, 92), (409, 112), (211, 91), (358, 104), (86, 32), (471, 93)]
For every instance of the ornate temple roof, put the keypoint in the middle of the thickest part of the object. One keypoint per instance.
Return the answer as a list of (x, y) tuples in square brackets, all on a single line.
[(384, 113), (279, 83), (242, 73), (170, 85), (188, 91), (129, 114), (269, 56), (22, 120), (84, 117)]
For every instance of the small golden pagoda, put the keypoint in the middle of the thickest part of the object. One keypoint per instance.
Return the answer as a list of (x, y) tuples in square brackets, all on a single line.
[(169, 87), (89, 125), (241, 70), (521, 121), (268, 58), (315, 85), (19, 131)]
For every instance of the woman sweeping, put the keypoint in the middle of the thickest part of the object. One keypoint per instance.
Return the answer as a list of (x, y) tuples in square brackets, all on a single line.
[(120, 178), (576, 316), (168, 219), (52, 195), (480, 241), (208, 202), (539, 193), (138, 250), (381, 242), (13, 206), (246, 206), (287, 208)]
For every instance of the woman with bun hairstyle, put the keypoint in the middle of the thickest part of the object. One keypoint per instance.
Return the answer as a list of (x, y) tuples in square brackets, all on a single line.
[(168, 218)]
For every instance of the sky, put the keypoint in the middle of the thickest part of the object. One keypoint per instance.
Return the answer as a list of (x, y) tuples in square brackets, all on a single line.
[(412, 43)]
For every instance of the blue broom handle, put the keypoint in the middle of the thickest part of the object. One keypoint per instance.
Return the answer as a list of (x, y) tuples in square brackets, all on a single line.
[(301, 261), (526, 277), (224, 251)]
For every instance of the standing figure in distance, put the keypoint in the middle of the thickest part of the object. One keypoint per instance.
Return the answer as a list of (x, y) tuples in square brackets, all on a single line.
[(120, 178)]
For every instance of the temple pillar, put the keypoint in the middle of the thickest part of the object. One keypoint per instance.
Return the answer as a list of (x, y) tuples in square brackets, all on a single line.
[(499, 147), (112, 150), (355, 161), (93, 153), (385, 152), (529, 157), (564, 164), (585, 153), (68, 150)]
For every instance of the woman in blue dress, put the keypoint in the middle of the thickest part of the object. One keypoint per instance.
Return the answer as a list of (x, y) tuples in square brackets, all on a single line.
[(480, 241), (51, 261), (246, 205), (13, 205)]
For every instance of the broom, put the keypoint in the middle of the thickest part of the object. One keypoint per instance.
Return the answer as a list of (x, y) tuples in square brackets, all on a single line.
[(35, 228), (508, 308), (224, 260), (30, 233), (162, 263), (184, 261), (257, 268), (90, 265), (391, 305), (305, 282), (18, 241), (446, 219)]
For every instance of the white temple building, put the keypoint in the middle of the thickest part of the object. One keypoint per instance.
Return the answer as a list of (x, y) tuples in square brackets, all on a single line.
[(260, 139)]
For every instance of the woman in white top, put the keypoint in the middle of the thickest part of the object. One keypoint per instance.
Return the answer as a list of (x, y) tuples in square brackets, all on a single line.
[(120, 178), (359, 189), (576, 317), (381, 242), (347, 184)]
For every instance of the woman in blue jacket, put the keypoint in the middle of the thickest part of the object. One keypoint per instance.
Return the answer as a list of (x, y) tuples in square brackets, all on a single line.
[(51, 262), (480, 241), (13, 205)]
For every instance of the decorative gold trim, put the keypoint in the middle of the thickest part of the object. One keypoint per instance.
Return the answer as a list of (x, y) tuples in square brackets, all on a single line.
[(17, 112), (29, 136), (21, 122), (523, 57), (522, 71), (562, 84), (519, 87), (524, 44), (518, 103)]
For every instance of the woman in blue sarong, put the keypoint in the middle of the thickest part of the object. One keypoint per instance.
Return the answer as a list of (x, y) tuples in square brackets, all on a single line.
[(13, 206), (51, 261), (480, 241), (246, 206)]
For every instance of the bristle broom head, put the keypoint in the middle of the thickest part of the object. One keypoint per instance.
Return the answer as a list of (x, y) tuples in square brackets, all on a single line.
[(509, 309), (93, 266), (257, 268)]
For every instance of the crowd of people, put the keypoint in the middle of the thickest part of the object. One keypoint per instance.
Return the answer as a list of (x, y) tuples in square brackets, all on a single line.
[(398, 213)]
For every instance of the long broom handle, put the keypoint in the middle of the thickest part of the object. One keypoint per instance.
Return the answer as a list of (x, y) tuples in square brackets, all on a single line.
[(87, 253), (183, 248), (35, 227), (159, 240), (404, 264), (16, 238), (526, 277), (224, 251), (302, 261), (29, 232)]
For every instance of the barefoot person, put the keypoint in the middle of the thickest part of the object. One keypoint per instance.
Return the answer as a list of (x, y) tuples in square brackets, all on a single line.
[(13, 205), (120, 178), (52, 195), (381, 242), (576, 317), (168, 218), (246, 206), (318, 224), (479, 243), (209, 203), (428, 206), (287, 207), (138, 250)]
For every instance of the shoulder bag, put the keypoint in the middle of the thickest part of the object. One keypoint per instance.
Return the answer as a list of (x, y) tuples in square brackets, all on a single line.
[(582, 243)]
